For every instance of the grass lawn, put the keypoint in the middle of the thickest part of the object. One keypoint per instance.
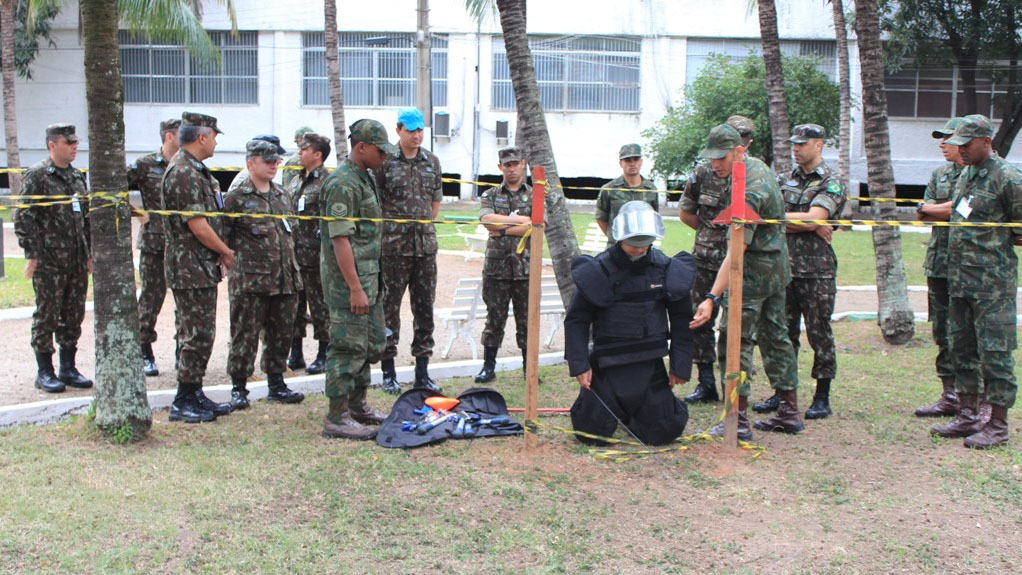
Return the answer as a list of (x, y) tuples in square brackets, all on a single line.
[(16, 291), (866, 491), (854, 249)]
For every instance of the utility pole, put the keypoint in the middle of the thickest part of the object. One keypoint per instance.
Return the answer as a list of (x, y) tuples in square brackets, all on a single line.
[(424, 74)]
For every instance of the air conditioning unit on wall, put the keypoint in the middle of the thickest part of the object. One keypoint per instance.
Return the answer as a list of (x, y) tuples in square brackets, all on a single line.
[(503, 131), (442, 125)]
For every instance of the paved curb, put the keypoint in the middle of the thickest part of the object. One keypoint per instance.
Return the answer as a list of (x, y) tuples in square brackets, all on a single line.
[(43, 412)]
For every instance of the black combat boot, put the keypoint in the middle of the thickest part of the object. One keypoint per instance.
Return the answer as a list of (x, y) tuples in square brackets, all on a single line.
[(68, 373), (297, 358), (768, 405), (422, 378), (278, 391), (149, 361), (239, 393), (208, 404), (318, 365), (45, 379), (707, 388), (486, 374), (186, 406), (390, 384), (820, 407)]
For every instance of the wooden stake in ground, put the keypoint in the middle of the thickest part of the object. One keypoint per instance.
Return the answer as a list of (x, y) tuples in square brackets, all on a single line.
[(535, 280), (736, 249)]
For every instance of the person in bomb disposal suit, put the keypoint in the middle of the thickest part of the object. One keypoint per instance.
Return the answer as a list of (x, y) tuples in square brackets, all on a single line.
[(194, 255), (57, 258), (305, 202), (146, 175), (632, 298), (264, 281), (505, 271), (350, 268), (410, 185)]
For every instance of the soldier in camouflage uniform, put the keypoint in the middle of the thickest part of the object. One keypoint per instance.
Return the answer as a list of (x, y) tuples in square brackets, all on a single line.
[(505, 271), (812, 192), (410, 186), (57, 257), (705, 197), (264, 282), (193, 259), (937, 206), (146, 175), (305, 202), (630, 185), (242, 176), (983, 284), (350, 268), (766, 275)]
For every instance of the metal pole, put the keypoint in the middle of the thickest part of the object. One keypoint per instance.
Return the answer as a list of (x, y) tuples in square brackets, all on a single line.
[(535, 281), (734, 306)]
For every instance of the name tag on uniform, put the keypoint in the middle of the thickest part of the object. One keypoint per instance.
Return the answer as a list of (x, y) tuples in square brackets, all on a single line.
[(301, 204), (287, 225), (75, 206), (963, 208)]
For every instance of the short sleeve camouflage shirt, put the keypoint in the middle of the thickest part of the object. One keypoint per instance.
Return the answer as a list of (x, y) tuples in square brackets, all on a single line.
[(264, 259), (707, 196), (189, 186), (502, 258), (939, 190), (811, 256)]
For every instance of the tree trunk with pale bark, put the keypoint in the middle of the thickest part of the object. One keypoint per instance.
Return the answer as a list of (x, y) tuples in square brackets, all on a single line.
[(845, 87)]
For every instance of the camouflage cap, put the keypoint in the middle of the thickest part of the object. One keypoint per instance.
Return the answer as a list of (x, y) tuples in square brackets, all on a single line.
[(948, 129), (722, 139), (170, 125), (743, 125), (973, 126), (262, 149), (196, 119), (511, 155), (805, 132), (630, 151), (66, 130), (273, 140), (370, 132), (310, 138), (302, 131)]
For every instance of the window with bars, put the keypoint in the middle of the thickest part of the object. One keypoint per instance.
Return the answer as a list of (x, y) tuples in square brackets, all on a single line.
[(164, 73), (931, 92), (592, 74), (378, 69), (699, 50)]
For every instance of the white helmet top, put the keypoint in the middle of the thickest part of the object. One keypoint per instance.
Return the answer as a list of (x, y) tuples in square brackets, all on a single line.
[(639, 222)]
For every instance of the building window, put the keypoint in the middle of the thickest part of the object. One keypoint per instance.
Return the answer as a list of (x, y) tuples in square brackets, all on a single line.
[(592, 74), (698, 53), (164, 73), (938, 93), (377, 69)]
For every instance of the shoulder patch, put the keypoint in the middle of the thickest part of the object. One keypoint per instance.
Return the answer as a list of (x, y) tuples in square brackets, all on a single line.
[(834, 187), (339, 211)]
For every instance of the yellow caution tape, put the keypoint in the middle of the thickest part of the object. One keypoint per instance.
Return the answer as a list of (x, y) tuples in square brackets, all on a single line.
[(521, 243), (874, 223)]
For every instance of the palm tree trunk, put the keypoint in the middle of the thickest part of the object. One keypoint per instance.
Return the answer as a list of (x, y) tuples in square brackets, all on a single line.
[(1010, 107), (533, 136), (10, 109), (894, 314), (333, 79), (120, 386), (776, 102), (844, 85)]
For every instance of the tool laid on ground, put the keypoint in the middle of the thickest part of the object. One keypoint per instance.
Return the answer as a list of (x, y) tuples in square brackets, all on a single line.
[(437, 411)]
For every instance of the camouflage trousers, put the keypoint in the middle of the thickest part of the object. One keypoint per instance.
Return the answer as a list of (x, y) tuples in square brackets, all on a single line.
[(497, 293), (983, 338), (59, 308), (152, 293), (813, 299), (252, 314), (703, 337), (312, 297), (418, 275), (764, 322), (356, 341), (939, 299), (195, 319)]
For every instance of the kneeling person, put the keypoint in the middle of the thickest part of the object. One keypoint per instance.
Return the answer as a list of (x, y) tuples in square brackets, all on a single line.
[(265, 282), (634, 298)]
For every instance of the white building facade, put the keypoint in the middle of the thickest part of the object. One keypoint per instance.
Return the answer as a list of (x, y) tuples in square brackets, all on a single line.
[(607, 71)]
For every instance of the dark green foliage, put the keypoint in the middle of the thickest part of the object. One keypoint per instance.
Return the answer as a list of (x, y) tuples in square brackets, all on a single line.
[(26, 42), (726, 87)]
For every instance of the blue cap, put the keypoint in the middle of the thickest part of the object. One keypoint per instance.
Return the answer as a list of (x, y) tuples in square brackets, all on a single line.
[(411, 119), (273, 140)]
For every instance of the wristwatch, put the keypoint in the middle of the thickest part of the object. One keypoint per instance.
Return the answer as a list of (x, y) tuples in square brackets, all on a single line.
[(714, 298)]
